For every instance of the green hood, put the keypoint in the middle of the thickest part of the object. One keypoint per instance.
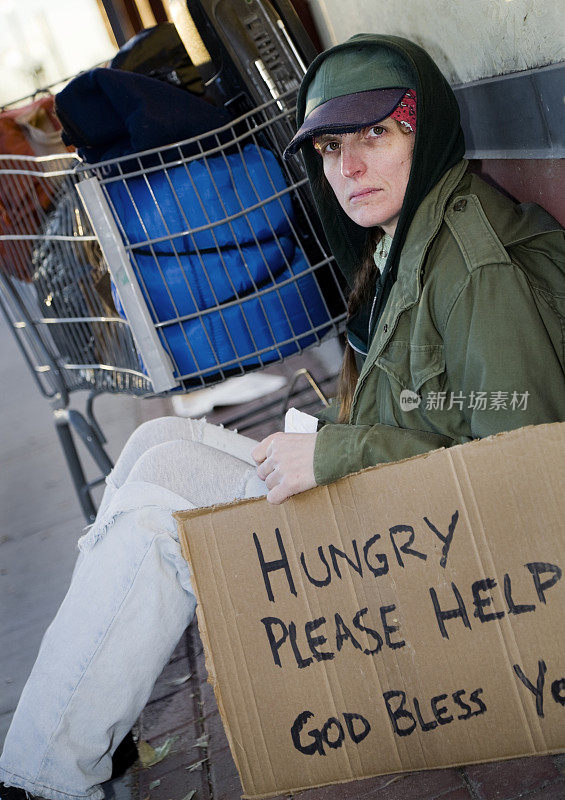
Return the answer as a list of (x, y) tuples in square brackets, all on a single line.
[(438, 146)]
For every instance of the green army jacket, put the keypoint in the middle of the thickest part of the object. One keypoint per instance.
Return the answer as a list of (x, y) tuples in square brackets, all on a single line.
[(472, 338)]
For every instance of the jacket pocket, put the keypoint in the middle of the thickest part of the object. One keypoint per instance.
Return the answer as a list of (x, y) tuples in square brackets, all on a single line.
[(411, 364)]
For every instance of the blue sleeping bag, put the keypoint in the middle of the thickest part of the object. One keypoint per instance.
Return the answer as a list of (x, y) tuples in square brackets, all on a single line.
[(185, 271)]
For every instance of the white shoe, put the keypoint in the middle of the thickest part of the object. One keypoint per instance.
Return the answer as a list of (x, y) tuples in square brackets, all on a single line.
[(232, 391)]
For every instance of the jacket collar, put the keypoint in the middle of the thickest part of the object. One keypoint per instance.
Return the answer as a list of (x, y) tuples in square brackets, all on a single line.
[(407, 287), (425, 225)]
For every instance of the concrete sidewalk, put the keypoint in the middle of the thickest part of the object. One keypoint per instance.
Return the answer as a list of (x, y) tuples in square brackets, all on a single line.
[(180, 729)]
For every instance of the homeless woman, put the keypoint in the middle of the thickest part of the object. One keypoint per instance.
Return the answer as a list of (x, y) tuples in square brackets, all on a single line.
[(455, 332)]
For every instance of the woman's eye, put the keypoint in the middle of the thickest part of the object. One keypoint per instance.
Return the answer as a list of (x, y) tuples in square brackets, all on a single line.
[(375, 131), (330, 147)]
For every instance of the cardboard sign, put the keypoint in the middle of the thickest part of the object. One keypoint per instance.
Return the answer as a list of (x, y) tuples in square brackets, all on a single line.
[(407, 617)]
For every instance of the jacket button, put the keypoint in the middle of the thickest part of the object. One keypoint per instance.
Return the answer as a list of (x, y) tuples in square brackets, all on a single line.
[(460, 205), (385, 328)]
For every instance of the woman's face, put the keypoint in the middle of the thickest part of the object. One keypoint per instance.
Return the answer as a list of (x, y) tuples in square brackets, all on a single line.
[(368, 171)]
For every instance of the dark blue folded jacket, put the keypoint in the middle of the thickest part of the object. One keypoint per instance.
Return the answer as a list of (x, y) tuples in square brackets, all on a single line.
[(107, 113)]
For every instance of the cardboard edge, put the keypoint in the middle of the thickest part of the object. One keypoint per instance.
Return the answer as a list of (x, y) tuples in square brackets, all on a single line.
[(202, 628), (290, 791), (192, 513), (209, 664)]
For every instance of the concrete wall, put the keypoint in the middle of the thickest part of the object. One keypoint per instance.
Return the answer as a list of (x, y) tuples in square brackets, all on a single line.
[(468, 39)]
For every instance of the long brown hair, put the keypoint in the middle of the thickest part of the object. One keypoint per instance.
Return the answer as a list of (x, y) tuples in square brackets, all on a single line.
[(361, 293)]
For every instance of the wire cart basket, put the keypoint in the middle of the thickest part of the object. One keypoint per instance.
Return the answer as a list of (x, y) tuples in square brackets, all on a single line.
[(164, 271)]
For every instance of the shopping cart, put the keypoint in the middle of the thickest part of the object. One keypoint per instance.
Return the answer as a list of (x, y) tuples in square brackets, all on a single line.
[(167, 270)]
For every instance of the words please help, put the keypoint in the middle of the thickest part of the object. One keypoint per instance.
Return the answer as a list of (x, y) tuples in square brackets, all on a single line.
[(399, 619)]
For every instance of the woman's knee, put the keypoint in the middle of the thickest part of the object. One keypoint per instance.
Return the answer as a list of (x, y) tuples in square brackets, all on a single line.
[(159, 459), (199, 473), (149, 431), (164, 429)]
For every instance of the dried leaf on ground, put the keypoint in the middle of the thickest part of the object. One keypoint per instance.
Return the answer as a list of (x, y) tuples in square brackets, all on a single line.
[(393, 780), (196, 765), (154, 784), (179, 681), (152, 755), (202, 741)]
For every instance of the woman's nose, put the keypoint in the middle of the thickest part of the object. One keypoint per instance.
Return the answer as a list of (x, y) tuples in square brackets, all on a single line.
[(352, 163)]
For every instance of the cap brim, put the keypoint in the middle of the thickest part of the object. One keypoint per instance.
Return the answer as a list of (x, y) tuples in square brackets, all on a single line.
[(346, 114)]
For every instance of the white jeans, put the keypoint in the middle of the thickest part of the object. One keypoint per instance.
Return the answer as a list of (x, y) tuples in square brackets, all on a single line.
[(129, 601)]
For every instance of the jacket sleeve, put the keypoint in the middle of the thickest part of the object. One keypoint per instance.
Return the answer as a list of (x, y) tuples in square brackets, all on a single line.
[(343, 449), (328, 413), (499, 341), (499, 357)]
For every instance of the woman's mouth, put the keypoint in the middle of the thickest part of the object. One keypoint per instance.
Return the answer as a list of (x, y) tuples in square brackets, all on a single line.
[(362, 194)]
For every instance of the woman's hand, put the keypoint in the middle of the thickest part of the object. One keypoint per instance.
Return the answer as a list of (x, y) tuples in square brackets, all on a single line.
[(286, 464)]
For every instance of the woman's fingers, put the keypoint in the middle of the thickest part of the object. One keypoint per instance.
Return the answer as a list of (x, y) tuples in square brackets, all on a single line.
[(272, 480), (286, 464), (259, 452), (265, 468), (277, 495)]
